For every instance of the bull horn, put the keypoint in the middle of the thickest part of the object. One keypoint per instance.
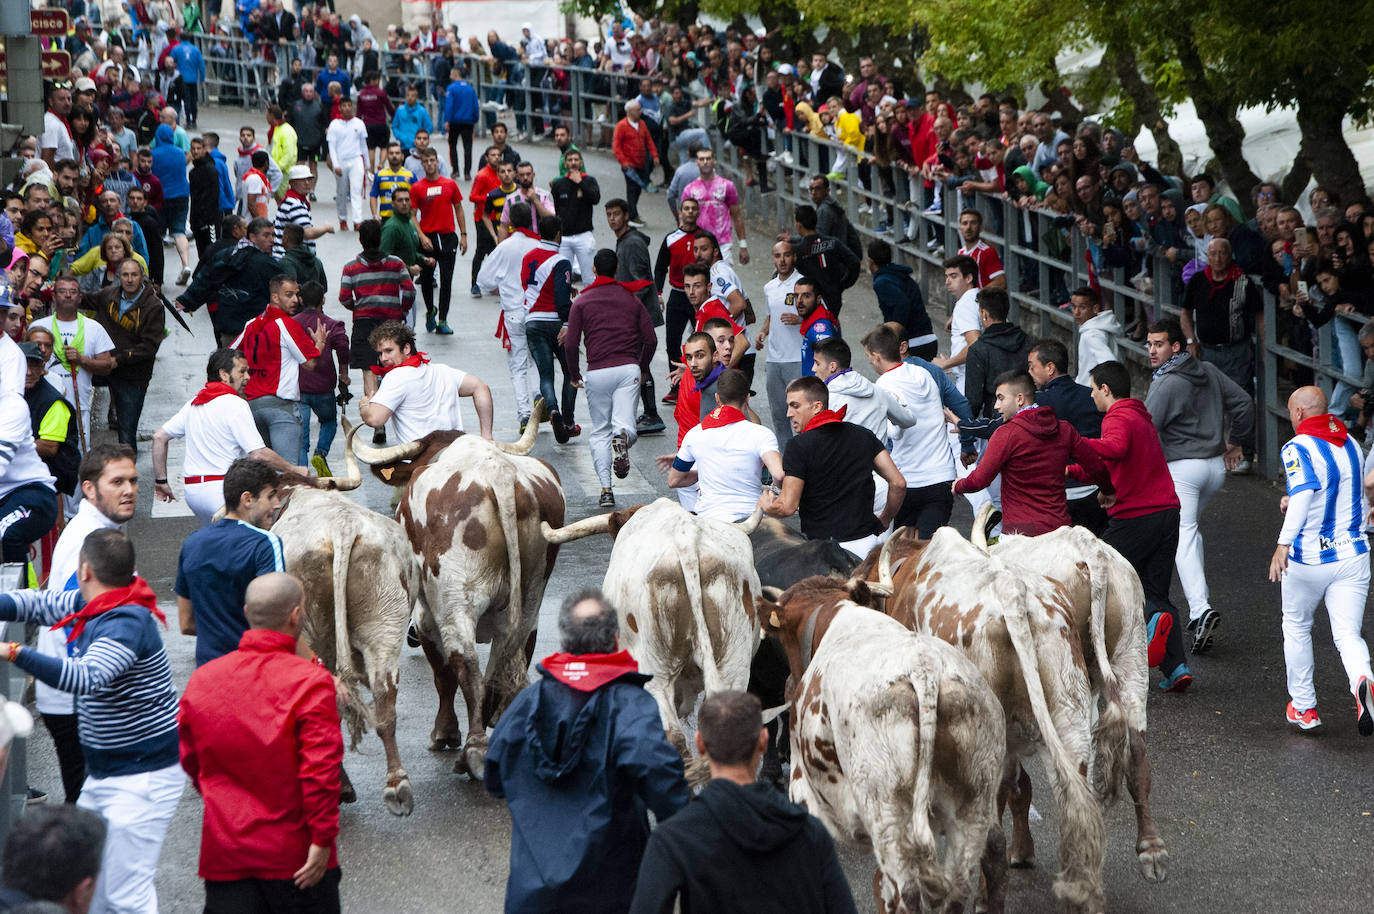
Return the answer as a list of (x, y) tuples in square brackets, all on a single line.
[(878, 589), (523, 446), (885, 565), (750, 523), (386, 456), (979, 535), (354, 477), (588, 526), (771, 593)]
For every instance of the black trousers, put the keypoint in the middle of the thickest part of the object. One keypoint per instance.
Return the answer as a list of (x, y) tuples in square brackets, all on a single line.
[(927, 508), (204, 237), (70, 758), (445, 256), (26, 515), (678, 316), (455, 131), (1149, 542), (484, 246), (1088, 513), (273, 896)]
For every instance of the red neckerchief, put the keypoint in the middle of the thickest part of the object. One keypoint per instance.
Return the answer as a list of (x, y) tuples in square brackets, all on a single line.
[(1326, 427), (1233, 273), (66, 125), (138, 593), (247, 153), (825, 417), (589, 672), (821, 312), (212, 391), (414, 360), (633, 286), (291, 193), (254, 171), (722, 416), (529, 233), (502, 333)]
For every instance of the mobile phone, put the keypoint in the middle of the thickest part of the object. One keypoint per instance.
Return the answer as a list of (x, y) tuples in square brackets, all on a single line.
[(1302, 287)]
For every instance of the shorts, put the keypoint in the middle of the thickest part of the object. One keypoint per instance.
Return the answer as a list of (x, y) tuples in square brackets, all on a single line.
[(174, 212), (361, 355), (308, 154), (378, 136)]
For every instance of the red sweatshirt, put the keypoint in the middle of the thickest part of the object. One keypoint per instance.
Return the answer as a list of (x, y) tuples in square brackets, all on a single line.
[(1130, 448), (633, 148), (260, 739), (1031, 452)]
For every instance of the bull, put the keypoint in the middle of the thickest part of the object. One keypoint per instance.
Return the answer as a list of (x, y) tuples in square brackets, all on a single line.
[(471, 511), (684, 587)]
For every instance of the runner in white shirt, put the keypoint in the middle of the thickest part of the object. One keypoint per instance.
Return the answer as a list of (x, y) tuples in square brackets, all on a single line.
[(781, 336), (961, 280), (347, 138), (89, 344), (416, 396), (57, 141), (218, 427), (501, 271), (725, 455), (725, 285)]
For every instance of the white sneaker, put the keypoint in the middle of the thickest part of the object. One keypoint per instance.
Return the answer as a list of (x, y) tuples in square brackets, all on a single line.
[(184, 277)]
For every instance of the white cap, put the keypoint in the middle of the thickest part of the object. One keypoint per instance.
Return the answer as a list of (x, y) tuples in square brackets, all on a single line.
[(298, 173)]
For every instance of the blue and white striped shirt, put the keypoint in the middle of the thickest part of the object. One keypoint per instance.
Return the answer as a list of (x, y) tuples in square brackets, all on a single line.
[(1333, 530)]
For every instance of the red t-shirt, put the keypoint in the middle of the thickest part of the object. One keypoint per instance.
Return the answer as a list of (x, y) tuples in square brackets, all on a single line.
[(435, 200), (989, 264), (714, 307)]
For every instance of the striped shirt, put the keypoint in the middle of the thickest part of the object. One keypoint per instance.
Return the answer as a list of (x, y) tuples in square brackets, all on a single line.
[(376, 289), (126, 705), (547, 278), (385, 184), (1333, 530), (292, 210)]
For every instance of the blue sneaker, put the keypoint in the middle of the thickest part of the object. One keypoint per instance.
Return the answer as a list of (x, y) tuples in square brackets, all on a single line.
[(1178, 680)]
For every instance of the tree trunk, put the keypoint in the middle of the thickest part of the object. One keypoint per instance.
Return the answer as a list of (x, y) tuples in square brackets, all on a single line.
[(1148, 113), (1296, 180), (1328, 154), (1217, 111)]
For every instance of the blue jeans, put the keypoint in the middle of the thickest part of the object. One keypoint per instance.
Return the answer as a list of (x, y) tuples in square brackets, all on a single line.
[(542, 337), (1350, 361), (324, 408), (127, 397), (279, 423)]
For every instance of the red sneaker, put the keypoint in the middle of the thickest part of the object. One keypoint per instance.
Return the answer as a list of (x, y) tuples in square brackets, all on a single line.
[(1157, 635), (1303, 720)]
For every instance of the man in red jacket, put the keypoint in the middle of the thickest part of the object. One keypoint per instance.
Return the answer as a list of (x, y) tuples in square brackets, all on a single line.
[(635, 151), (260, 739), (1142, 512), (1031, 450)]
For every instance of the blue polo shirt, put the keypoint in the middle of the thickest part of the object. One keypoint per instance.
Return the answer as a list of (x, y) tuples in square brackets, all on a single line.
[(213, 572)]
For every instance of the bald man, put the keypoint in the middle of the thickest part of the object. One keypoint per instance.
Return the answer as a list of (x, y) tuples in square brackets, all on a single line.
[(260, 739), (1322, 554)]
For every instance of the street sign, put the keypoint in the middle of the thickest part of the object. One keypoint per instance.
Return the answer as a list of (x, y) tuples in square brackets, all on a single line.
[(57, 65), (52, 23)]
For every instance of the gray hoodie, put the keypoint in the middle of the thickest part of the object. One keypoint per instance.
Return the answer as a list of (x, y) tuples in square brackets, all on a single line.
[(1097, 339), (1192, 403)]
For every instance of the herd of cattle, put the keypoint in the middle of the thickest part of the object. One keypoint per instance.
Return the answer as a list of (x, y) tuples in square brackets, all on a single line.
[(915, 683)]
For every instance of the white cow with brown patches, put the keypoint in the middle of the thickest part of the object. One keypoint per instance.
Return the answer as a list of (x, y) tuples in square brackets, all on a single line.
[(684, 587)]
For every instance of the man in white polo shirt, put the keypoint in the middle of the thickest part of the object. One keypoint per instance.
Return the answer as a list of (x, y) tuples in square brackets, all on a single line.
[(781, 336), (219, 429), (725, 454), (417, 396)]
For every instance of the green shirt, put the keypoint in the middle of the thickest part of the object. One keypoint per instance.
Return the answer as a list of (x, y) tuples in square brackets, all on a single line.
[(563, 169), (399, 237)]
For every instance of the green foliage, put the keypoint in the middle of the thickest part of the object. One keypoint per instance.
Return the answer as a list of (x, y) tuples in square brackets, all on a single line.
[(593, 9)]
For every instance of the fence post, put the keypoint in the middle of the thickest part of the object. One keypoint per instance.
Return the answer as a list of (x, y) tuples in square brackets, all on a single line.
[(1266, 392)]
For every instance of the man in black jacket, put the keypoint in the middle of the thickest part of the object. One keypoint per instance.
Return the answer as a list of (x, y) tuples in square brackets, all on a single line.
[(1002, 347), (1048, 364), (741, 845), (205, 212), (238, 283), (824, 259)]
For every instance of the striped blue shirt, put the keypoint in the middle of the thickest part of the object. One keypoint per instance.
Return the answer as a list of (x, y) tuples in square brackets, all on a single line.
[(1333, 530), (126, 705)]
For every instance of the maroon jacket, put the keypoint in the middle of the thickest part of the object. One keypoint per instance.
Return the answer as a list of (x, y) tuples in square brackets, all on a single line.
[(1031, 452), (1130, 448), (616, 327), (322, 378)]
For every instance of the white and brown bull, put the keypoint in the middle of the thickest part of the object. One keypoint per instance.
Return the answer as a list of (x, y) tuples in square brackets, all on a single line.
[(684, 587), (1018, 629), (471, 512), (361, 582), (1108, 610), (896, 741)]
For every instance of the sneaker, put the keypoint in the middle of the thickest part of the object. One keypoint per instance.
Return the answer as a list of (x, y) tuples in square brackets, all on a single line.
[(1364, 706), (430, 323), (1157, 634), (443, 329), (637, 223), (35, 797), (652, 188), (1203, 628), (620, 455), (524, 423), (343, 225), (313, 198), (413, 636), (648, 425), (560, 431), (993, 520), (475, 292), (184, 276), (607, 499), (1177, 681), (836, 176), (379, 436), (320, 466), (670, 397), (1304, 720), (1242, 469), (574, 430)]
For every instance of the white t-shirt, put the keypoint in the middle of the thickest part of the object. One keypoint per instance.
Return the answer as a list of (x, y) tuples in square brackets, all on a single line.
[(922, 451), (95, 341), (421, 400), (725, 280), (784, 340), (728, 461), (217, 433), (255, 186), (347, 141), (57, 135), (964, 319)]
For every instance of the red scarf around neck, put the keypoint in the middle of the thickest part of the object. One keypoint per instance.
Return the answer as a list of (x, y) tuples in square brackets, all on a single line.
[(634, 286), (722, 416), (1233, 272), (589, 672), (1326, 427), (212, 391), (138, 593), (825, 417), (414, 361), (821, 313)]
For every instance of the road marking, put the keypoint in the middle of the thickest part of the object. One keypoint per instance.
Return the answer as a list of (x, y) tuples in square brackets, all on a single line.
[(176, 450)]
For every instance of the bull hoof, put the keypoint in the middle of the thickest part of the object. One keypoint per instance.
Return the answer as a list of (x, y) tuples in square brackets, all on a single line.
[(475, 761), (439, 742), (399, 799), (347, 794), (1154, 859)]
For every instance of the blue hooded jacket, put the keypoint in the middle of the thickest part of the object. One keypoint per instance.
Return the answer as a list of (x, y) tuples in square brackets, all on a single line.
[(579, 768), (900, 300), (227, 200), (169, 165), (460, 103)]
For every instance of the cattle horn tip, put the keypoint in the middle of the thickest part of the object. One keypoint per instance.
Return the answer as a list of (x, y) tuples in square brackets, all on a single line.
[(979, 535), (750, 523)]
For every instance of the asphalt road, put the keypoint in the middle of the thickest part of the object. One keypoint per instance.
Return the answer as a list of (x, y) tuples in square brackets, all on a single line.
[(1257, 817)]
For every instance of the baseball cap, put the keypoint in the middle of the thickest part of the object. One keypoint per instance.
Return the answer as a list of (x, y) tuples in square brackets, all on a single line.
[(31, 352), (85, 84), (298, 173)]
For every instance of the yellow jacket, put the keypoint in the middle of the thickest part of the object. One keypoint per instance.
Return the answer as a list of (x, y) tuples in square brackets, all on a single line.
[(850, 129)]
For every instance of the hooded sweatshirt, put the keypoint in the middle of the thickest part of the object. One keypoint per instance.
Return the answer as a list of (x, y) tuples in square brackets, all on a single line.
[(741, 848), (868, 405), (1001, 348), (1097, 339), (899, 299), (1032, 452), (1129, 446), (1191, 403), (169, 165)]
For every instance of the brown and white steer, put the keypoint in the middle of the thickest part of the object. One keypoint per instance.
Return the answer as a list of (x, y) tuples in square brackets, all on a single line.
[(471, 511), (684, 587), (896, 741), (1017, 629), (361, 582), (1108, 609)]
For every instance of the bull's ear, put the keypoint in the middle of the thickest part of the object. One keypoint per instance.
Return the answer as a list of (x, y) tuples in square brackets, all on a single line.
[(860, 591), (773, 619), (621, 518), (766, 611)]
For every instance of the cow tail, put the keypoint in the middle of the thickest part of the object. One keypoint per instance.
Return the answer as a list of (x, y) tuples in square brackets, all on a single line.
[(1111, 742), (691, 578), (1082, 831), (935, 885), (354, 711)]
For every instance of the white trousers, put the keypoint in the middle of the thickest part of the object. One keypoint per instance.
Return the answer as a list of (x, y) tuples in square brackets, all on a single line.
[(727, 252), (520, 364), (1344, 586), (204, 499), (612, 394), (860, 548), (348, 192), (580, 249), (136, 809), (1196, 480)]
